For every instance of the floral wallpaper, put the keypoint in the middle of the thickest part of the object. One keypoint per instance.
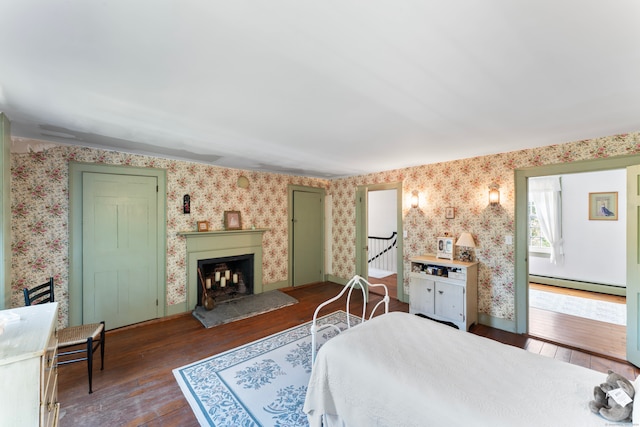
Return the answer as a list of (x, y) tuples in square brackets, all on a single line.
[(39, 195), (39, 204), (464, 185)]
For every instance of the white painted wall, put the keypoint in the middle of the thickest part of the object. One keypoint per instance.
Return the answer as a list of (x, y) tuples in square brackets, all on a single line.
[(594, 251), (382, 213)]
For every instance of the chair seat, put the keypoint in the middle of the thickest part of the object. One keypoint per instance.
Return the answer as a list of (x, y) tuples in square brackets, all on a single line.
[(75, 335), (91, 335)]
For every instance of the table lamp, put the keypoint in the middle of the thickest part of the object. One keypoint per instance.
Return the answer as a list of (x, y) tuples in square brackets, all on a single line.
[(466, 244)]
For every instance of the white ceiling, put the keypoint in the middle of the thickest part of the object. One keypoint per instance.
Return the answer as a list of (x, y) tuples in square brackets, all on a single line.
[(319, 88)]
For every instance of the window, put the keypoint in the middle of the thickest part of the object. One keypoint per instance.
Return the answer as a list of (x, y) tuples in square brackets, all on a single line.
[(537, 242), (546, 214)]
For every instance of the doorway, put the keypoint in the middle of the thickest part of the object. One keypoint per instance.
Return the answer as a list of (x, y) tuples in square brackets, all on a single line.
[(521, 224), (573, 300), (362, 233), (382, 235)]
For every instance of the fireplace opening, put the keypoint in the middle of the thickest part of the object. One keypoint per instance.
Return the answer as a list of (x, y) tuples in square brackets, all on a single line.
[(226, 278)]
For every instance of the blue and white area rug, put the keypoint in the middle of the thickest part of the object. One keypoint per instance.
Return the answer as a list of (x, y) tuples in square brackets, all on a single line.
[(262, 383)]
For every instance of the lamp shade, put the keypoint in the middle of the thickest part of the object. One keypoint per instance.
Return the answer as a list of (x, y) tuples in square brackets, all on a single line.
[(466, 240)]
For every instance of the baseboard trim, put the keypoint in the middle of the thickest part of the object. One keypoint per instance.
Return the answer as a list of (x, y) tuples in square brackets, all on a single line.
[(496, 322), (172, 310), (583, 286), (335, 279), (275, 285)]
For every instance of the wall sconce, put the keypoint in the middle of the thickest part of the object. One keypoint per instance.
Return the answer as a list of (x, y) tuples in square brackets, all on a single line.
[(494, 194), (466, 244), (415, 199)]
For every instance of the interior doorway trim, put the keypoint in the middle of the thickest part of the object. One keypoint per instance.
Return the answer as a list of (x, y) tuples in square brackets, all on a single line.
[(361, 231), (76, 170), (521, 221)]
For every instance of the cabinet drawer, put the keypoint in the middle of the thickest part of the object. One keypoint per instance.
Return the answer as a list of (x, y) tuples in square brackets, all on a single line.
[(49, 369), (457, 275), (50, 407)]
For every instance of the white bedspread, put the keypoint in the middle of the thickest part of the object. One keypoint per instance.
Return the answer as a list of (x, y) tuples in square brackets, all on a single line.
[(402, 370)]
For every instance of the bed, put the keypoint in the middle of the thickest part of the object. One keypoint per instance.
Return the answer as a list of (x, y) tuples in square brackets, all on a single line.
[(399, 369)]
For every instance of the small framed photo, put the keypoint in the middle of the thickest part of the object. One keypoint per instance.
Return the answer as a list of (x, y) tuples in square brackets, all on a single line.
[(450, 212), (603, 206), (232, 220), (203, 225)]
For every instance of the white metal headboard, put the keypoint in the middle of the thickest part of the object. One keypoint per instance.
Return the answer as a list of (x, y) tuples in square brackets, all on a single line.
[(364, 285)]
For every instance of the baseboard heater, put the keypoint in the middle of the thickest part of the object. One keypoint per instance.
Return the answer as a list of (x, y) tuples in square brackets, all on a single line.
[(576, 284)]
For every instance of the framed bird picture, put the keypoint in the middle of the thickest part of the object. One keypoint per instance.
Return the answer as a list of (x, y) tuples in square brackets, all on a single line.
[(603, 206)]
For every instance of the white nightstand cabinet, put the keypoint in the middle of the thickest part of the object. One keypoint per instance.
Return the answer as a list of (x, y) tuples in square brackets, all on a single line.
[(444, 290), (28, 373)]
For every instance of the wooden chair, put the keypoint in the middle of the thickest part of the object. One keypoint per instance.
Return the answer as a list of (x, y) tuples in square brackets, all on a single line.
[(90, 336)]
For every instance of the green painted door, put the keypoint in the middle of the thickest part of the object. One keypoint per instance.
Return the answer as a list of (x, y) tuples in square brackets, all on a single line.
[(307, 237), (119, 257), (633, 264)]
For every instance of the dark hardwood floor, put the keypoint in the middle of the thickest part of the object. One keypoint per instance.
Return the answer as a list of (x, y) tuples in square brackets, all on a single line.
[(137, 387), (578, 332), (390, 281)]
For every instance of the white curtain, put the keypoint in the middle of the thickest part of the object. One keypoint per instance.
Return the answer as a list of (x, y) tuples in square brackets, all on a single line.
[(546, 197)]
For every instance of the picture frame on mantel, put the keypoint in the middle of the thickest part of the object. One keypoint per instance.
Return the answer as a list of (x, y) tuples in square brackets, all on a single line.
[(232, 220), (203, 225)]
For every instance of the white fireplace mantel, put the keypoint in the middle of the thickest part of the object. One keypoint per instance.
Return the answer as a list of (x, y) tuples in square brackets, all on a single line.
[(219, 244)]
